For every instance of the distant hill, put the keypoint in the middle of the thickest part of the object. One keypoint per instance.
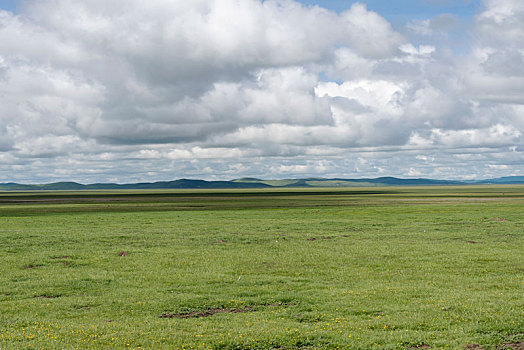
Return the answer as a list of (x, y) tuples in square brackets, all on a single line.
[(505, 180), (320, 182), (255, 183), (176, 184)]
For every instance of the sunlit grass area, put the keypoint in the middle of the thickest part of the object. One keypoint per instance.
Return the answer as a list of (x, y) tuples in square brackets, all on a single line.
[(385, 268)]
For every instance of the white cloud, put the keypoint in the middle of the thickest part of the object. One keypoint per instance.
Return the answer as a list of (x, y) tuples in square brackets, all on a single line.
[(262, 88), (494, 70), (422, 50), (369, 33), (498, 166), (502, 22)]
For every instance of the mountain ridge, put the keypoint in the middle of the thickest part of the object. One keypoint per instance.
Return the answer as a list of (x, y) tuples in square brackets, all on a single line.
[(247, 183)]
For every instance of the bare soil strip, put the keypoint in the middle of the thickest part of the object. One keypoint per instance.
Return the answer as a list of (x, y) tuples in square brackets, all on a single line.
[(207, 313)]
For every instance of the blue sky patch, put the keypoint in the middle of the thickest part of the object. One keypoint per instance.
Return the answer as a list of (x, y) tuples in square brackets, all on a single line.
[(9, 5)]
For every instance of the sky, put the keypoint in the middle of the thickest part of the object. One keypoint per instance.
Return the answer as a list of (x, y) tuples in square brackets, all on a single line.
[(127, 91)]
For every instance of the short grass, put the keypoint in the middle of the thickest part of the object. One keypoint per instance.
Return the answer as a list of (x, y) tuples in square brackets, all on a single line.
[(377, 268)]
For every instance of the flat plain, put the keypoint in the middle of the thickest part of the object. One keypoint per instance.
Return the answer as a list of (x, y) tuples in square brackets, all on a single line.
[(362, 268)]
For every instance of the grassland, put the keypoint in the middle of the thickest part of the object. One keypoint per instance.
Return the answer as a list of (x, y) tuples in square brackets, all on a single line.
[(376, 268)]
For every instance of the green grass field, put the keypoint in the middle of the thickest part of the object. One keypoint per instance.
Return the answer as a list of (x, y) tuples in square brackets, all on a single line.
[(361, 268)]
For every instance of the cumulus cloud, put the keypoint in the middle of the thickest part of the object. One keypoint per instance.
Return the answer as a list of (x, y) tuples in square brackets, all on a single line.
[(494, 69), (501, 22), (228, 88)]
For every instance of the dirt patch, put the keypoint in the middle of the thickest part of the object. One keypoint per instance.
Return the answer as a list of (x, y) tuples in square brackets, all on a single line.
[(61, 257), (27, 267), (471, 242), (499, 219), (123, 253), (281, 304), (410, 345), (207, 313), (473, 347), (220, 241), (316, 239), (514, 346), (67, 263), (47, 296)]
